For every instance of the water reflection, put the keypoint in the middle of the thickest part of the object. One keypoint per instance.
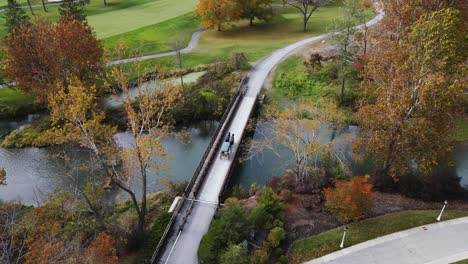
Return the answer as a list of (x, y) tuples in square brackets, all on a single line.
[(32, 173), (261, 168)]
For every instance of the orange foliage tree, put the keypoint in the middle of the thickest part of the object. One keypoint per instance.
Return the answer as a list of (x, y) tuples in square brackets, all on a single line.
[(41, 251), (350, 199), (214, 13), (42, 57), (102, 250)]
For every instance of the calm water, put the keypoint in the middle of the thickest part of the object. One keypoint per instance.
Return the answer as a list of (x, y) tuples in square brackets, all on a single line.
[(262, 167), (32, 173)]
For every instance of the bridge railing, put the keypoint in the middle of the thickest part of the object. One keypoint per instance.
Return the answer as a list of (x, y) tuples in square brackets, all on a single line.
[(200, 173)]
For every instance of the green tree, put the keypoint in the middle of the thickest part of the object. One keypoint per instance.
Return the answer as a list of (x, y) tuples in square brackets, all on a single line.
[(307, 8), (69, 9), (254, 9), (15, 16), (234, 254), (268, 209), (346, 40)]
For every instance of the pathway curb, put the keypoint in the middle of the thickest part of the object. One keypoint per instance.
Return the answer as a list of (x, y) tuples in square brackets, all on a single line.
[(386, 238)]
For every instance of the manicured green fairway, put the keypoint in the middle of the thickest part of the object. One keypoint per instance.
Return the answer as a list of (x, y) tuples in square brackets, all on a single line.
[(328, 242), (121, 16), (159, 37)]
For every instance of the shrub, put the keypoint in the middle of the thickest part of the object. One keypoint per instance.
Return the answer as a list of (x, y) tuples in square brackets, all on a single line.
[(350, 199), (233, 227), (29, 135), (268, 209), (234, 254), (275, 237)]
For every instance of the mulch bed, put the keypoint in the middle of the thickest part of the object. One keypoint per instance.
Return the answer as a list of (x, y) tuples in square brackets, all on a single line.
[(306, 214)]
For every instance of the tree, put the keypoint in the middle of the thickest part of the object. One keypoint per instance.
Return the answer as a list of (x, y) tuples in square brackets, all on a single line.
[(235, 254), (346, 40), (30, 7), (214, 13), (15, 16), (350, 199), (297, 129), (413, 89), (251, 9), (148, 123), (69, 9), (102, 250), (40, 56), (12, 243), (306, 7)]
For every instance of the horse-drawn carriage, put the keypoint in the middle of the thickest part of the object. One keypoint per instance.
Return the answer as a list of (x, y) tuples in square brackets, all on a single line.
[(227, 146)]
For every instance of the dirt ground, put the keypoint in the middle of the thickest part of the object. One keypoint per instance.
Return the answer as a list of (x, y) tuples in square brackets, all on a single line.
[(306, 215)]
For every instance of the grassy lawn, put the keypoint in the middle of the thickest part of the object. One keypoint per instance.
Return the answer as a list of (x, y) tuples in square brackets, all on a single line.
[(328, 242), (461, 130), (121, 16), (13, 102), (258, 41), (158, 38)]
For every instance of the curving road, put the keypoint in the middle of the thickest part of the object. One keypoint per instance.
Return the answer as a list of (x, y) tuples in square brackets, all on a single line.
[(181, 247), (438, 243)]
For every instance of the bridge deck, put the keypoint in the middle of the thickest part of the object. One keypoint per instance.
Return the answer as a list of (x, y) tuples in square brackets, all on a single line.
[(181, 248)]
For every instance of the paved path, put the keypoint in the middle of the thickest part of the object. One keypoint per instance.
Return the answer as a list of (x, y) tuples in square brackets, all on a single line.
[(438, 243), (182, 247)]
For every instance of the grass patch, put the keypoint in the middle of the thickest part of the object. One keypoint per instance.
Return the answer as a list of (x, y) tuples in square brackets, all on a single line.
[(121, 16), (460, 132), (328, 242), (14, 103), (157, 38), (255, 42)]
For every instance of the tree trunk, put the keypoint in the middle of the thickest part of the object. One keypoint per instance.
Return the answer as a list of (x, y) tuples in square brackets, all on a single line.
[(304, 24), (251, 21), (105, 3), (44, 6), (179, 56), (342, 89), (219, 27), (30, 7)]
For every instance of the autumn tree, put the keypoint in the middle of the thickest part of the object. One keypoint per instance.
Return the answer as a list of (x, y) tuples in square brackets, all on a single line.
[(12, 243), (254, 9), (15, 16), (297, 129), (307, 8), (413, 87), (70, 9), (43, 54), (102, 250), (149, 122), (349, 200), (214, 13)]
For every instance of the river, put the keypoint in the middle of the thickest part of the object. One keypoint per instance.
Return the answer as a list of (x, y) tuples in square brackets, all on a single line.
[(32, 173), (261, 168)]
